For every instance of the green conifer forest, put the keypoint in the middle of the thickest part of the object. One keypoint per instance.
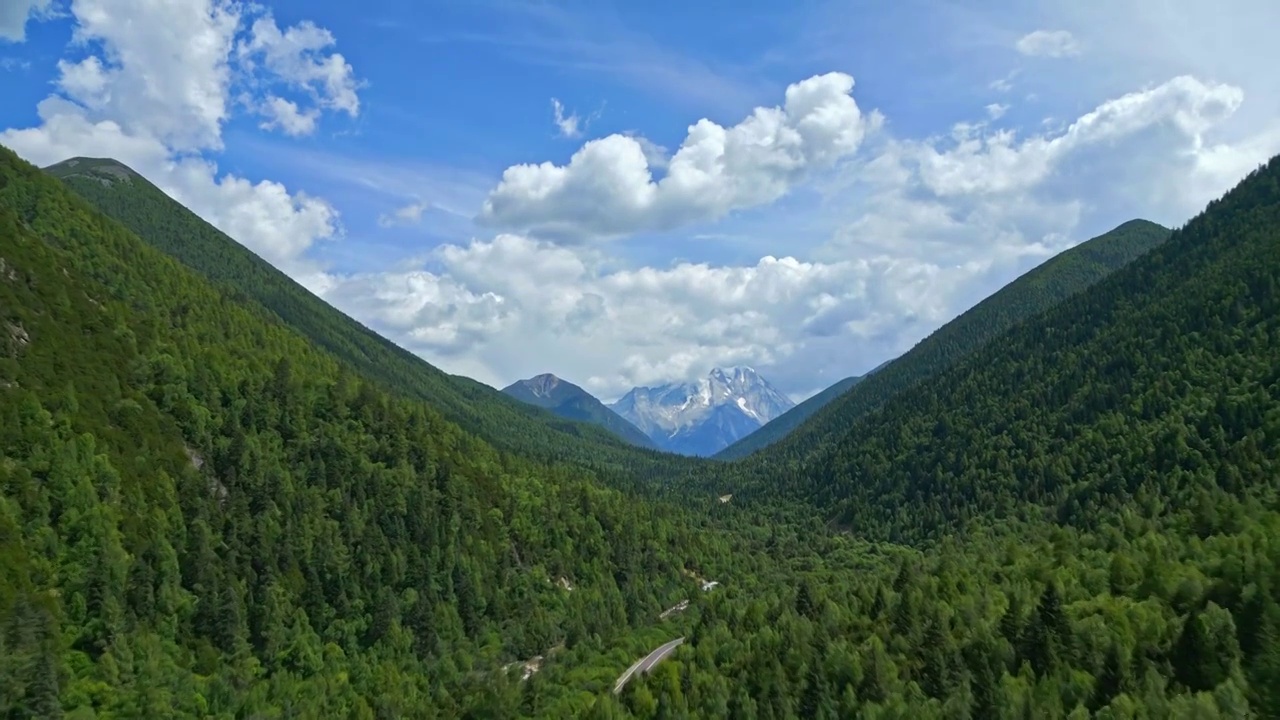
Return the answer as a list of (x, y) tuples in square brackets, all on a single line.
[(222, 498)]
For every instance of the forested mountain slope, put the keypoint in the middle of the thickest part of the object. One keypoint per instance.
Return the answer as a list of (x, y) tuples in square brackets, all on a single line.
[(506, 423), (205, 515), (1043, 287), (573, 403), (1093, 501), (779, 427), (1158, 386)]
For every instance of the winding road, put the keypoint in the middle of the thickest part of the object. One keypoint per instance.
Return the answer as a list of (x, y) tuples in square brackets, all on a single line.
[(647, 663)]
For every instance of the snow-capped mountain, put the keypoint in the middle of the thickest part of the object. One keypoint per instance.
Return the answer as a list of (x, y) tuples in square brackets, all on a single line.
[(704, 417)]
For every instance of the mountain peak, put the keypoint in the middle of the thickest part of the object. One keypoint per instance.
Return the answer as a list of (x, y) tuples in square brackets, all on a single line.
[(542, 386), (703, 416), (570, 401), (105, 170)]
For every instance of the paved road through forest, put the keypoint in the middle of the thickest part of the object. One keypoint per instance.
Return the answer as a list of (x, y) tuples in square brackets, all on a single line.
[(647, 663)]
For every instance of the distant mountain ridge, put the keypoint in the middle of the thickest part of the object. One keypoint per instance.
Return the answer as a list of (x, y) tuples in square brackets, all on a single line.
[(790, 420), (703, 417), (573, 403), (779, 427)]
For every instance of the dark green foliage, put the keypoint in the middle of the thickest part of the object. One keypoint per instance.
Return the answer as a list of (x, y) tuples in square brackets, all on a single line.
[(500, 420), (1208, 650), (1038, 290), (203, 514), (1129, 437), (1156, 388), (207, 513)]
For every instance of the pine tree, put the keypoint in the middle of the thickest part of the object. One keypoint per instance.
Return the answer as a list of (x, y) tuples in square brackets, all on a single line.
[(1264, 666), (1045, 646), (1207, 651)]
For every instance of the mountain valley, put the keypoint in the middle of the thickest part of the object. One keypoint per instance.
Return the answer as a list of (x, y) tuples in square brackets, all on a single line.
[(224, 498)]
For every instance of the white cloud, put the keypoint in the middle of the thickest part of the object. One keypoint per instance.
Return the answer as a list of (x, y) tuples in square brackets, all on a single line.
[(514, 305), (919, 229), (1000, 163), (285, 115), (912, 230), (1004, 84), (410, 214), (296, 56), (65, 131), (154, 91), (607, 188), (161, 69), (928, 232), (567, 125), (658, 156), (14, 15), (1048, 43)]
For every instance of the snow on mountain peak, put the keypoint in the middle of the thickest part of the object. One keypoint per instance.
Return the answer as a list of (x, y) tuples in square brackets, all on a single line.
[(674, 411)]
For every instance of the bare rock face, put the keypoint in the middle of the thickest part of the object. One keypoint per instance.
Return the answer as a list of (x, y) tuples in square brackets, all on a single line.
[(7, 271), (15, 337), (706, 416)]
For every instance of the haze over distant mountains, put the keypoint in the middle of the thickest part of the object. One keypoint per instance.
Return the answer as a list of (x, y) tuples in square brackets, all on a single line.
[(570, 401), (706, 416), (695, 418)]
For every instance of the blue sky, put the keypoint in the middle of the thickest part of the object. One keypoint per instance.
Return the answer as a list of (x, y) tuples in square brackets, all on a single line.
[(500, 186)]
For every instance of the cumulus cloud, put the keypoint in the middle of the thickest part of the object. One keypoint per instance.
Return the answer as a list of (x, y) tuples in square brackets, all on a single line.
[(607, 189), (623, 327), (999, 163), (410, 214), (14, 15), (284, 114), (514, 305), (297, 56), (932, 227), (154, 91), (160, 70), (430, 311), (1048, 43), (914, 230), (920, 228)]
